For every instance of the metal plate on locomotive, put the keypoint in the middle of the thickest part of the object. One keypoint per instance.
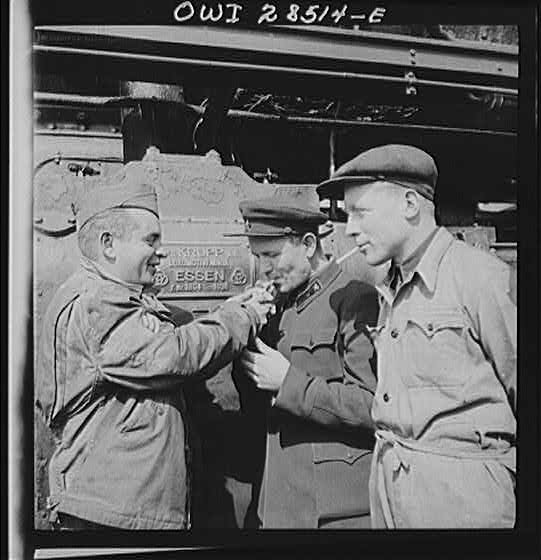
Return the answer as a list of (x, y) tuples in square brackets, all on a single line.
[(203, 269)]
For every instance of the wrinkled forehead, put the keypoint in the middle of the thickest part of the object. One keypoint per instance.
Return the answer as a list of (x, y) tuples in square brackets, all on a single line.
[(261, 245)]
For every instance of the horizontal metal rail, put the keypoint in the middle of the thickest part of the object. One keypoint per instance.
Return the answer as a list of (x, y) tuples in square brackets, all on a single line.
[(55, 99), (286, 70), (322, 43), (474, 47), (504, 245), (82, 133)]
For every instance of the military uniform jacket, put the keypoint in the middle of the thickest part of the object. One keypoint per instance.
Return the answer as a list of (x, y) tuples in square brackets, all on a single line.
[(110, 389), (319, 439)]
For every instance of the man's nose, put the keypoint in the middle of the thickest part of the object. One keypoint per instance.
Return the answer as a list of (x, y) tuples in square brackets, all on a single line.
[(266, 266), (161, 253), (352, 228)]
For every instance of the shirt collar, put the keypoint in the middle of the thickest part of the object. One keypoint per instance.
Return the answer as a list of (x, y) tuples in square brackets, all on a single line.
[(425, 261), (317, 284), (407, 268)]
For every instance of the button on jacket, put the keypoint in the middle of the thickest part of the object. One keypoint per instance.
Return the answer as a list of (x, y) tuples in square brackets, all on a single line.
[(110, 389), (320, 433), (445, 402)]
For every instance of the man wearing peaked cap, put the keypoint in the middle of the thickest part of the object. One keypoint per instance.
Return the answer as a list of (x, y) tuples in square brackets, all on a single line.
[(444, 408), (312, 371), (111, 364), (276, 217)]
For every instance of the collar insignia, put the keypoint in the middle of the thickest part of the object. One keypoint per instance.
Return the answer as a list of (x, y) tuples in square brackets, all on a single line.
[(308, 293)]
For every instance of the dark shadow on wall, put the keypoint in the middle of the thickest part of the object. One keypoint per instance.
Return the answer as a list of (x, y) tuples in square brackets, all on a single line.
[(227, 443)]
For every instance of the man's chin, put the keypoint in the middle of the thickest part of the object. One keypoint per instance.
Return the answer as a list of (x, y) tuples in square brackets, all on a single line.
[(148, 282)]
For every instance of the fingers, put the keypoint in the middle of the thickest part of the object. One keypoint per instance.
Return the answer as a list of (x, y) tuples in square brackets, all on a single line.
[(268, 286), (249, 358), (261, 296), (255, 293), (150, 322), (262, 310), (261, 346), (249, 369)]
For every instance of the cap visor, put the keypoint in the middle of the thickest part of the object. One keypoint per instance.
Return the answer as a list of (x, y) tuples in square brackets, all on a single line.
[(256, 234), (334, 188)]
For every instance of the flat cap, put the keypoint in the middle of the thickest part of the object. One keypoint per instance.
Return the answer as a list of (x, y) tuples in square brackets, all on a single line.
[(129, 188), (404, 165), (281, 215)]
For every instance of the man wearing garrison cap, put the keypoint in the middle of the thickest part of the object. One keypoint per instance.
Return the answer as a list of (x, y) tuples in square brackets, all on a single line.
[(111, 365), (444, 408), (315, 368)]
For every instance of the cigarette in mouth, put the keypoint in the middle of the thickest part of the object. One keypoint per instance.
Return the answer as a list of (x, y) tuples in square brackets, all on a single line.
[(341, 259)]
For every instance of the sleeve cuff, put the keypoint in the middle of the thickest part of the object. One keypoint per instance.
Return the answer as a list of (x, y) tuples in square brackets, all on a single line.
[(297, 393)]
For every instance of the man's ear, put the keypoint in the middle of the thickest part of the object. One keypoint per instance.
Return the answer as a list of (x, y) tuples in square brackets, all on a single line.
[(412, 205), (106, 244), (309, 240)]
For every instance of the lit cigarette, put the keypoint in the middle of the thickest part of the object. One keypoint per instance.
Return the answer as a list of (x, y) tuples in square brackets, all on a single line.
[(269, 286), (341, 259)]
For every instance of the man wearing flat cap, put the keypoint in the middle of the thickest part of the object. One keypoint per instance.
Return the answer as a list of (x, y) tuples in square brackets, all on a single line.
[(111, 364), (444, 408), (316, 369)]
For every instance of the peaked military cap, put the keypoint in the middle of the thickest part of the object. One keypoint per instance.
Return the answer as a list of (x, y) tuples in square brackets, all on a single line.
[(285, 213), (404, 165), (127, 189)]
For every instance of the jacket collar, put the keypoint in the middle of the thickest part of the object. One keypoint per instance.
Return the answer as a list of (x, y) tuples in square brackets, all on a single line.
[(96, 270), (317, 284), (147, 298)]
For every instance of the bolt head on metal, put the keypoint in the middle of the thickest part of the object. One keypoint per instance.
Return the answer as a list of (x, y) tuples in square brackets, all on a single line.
[(411, 90)]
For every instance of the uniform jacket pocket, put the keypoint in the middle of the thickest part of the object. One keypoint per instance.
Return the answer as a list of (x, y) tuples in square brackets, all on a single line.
[(315, 352), (310, 340), (341, 474), (336, 451)]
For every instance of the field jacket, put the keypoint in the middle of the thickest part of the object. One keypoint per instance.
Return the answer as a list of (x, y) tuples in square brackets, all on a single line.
[(110, 388)]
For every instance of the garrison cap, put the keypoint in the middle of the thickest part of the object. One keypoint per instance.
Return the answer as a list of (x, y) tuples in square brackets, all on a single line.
[(127, 189), (283, 214), (404, 165)]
